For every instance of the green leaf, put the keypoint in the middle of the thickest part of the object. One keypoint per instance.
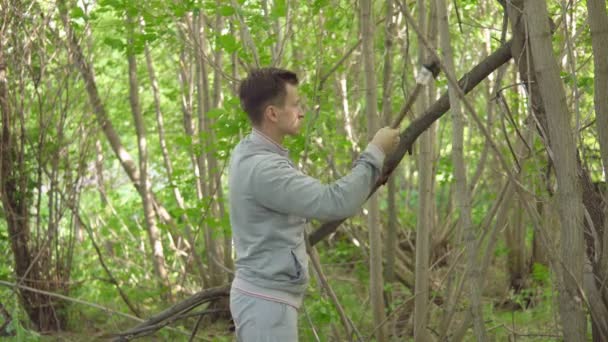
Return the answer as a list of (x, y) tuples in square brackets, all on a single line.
[(116, 4), (114, 43), (226, 10), (184, 141), (228, 43), (540, 272), (150, 37), (318, 4), (280, 9), (215, 113), (77, 12)]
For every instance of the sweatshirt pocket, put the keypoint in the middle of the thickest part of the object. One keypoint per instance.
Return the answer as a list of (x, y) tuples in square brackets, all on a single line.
[(300, 265), (297, 267)]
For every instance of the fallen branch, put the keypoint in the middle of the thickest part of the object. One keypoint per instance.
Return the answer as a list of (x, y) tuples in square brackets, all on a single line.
[(173, 313)]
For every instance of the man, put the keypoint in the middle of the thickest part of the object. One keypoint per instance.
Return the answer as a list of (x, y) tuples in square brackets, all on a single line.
[(271, 201)]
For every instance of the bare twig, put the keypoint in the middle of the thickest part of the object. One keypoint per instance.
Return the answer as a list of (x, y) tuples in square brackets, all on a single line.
[(312, 326), (338, 63), (113, 280), (246, 34), (70, 299)]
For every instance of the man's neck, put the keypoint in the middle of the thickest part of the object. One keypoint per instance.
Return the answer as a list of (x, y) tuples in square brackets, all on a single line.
[(271, 134)]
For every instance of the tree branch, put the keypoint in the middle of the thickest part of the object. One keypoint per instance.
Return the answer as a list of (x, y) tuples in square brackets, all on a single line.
[(411, 133), (156, 322)]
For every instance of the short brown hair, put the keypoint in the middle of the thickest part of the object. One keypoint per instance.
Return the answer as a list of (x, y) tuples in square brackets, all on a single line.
[(263, 87)]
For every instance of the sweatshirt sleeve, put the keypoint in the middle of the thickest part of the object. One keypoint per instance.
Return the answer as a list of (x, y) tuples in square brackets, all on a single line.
[(279, 186)]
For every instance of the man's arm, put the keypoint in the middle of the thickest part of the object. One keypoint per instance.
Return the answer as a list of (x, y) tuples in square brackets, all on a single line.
[(280, 187)]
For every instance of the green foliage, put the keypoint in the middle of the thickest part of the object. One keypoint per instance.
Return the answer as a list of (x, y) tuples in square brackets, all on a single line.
[(18, 327), (228, 43), (319, 33), (540, 273), (321, 310)]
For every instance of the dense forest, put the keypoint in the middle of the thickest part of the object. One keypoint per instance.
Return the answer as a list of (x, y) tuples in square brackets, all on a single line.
[(118, 118)]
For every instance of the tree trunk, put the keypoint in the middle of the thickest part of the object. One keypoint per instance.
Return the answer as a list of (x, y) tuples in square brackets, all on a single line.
[(387, 86), (375, 237), (206, 177), (569, 192), (592, 199), (37, 260), (515, 240), (217, 102), (140, 129), (186, 80), (246, 35), (189, 248), (424, 223), (461, 190), (598, 23)]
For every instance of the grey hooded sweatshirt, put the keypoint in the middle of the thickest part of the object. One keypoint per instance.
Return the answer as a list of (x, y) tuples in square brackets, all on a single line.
[(271, 202)]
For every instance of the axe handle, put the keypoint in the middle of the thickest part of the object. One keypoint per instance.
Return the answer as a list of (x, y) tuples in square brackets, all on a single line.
[(433, 67)]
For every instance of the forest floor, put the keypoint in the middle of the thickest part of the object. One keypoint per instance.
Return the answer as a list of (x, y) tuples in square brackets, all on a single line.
[(530, 315)]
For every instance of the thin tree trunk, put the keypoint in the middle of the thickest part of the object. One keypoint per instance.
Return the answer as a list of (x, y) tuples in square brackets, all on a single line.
[(592, 200), (140, 129), (569, 192), (274, 32), (598, 23), (189, 248), (186, 80), (387, 81), (217, 102), (15, 207), (514, 237), (343, 92), (540, 254), (205, 165), (515, 231), (425, 210), (599, 313), (99, 171), (246, 35), (461, 190), (515, 241), (492, 95), (375, 236), (36, 257)]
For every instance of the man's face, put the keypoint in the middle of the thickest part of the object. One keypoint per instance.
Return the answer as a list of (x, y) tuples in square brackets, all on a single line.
[(289, 117)]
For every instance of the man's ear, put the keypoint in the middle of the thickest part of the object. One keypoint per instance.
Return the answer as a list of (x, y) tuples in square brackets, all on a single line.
[(270, 113)]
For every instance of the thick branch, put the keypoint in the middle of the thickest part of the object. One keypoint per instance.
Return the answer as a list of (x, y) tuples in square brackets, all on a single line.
[(434, 112), (155, 322)]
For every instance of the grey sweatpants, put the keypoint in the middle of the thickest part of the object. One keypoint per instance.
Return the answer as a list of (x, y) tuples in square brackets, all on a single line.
[(261, 320)]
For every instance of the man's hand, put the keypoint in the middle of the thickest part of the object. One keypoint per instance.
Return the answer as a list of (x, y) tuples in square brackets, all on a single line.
[(386, 139)]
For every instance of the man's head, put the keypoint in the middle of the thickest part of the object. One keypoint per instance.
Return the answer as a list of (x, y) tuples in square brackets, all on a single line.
[(270, 98)]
